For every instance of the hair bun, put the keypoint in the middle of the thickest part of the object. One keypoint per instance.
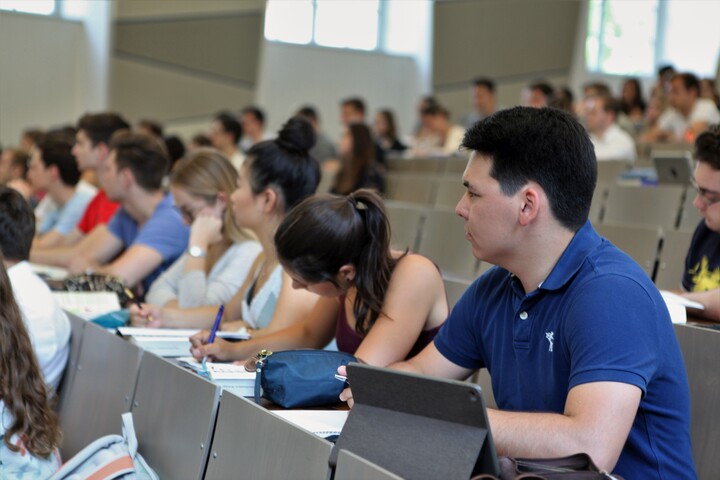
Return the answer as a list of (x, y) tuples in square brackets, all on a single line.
[(297, 135)]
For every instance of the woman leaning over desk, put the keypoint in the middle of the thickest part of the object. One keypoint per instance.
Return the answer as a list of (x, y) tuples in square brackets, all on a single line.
[(276, 175), (380, 305), (220, 253), (29, 432)]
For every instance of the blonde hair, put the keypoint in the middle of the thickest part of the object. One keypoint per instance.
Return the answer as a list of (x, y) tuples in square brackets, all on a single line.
[(205, 173)]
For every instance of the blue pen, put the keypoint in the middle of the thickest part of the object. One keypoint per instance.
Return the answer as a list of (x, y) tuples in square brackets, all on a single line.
[(213, 332)]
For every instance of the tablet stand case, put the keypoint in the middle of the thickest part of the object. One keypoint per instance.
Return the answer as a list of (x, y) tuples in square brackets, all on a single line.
[(417, 427)]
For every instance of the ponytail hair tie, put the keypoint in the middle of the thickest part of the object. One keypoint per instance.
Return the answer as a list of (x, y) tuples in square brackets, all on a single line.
[(358, 204)]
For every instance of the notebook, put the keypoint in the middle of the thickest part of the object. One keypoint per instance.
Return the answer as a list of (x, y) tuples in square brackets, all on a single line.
[(231, 377), (323, 423), (673, 166), (417, 427), (88, 305)]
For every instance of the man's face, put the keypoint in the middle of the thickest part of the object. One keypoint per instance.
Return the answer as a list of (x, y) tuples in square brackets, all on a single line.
[(680, 97), (219, 138), (490, 215), (86, 154), (707, 198), (109, 179), (483, 99), (596, 118), (537, 99), (38, 174), (349, 115), (250, 124)]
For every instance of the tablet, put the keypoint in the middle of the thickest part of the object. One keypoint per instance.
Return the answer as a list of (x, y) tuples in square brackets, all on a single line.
[(417, 427)]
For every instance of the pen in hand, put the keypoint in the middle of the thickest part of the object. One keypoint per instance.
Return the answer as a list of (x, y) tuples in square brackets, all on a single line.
[(213, 332), (135, 300)]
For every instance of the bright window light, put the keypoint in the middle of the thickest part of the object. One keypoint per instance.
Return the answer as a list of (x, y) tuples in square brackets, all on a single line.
[(74, 8), (40, 7), (692, 37), (621, 36), (347, 24), (406, 23), (289, 21)]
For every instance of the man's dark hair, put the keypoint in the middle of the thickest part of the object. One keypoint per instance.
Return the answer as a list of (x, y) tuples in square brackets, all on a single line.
[(230, 124), (689, 80), (665, 70), (308, 112), (434, 110), (33, 134), (152, 126), (100, 127), (707, 147), (255, 112), (545, 145), (56, 149), (357, 103), (20, 160), (485, 82), (144, 155), (545, 88), (17, 225)]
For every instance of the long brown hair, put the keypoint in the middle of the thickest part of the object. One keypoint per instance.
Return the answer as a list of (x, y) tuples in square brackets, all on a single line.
[(325, 232), (361, 157), (22, 387)]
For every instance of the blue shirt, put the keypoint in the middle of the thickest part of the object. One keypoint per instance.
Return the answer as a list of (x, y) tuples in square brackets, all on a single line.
[(164, 232), (597, 317), (65, 218)]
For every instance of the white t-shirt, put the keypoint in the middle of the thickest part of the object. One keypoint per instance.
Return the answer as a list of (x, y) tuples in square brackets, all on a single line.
[(673, 121), (453, 139), (47, 324), (615, 144)]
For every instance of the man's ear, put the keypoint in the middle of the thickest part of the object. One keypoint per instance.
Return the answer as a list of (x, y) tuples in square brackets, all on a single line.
[(529, 205), (103, 150)]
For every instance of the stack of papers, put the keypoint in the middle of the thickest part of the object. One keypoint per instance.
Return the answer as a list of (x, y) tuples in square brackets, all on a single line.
[(232, 378), (323, 423), (88, 305), (170, 342), (677, 306)]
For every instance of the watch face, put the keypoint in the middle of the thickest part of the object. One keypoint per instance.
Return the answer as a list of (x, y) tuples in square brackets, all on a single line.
[(196, 251)]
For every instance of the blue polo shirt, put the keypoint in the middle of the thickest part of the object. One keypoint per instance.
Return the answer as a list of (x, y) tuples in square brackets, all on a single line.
[(596, 318), (164, 232)]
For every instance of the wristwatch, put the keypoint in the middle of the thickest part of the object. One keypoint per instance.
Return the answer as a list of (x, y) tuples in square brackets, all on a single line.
[(196, 252)]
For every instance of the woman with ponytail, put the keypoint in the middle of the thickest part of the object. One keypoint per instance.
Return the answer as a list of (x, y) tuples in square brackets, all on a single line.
[(29, 433), (379, 304)]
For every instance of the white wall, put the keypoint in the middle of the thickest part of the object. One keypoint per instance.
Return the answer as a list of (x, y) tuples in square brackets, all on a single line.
[(50, 73), (293, 75)]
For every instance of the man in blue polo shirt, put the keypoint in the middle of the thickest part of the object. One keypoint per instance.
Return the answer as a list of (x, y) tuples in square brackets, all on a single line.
[(577, 339)]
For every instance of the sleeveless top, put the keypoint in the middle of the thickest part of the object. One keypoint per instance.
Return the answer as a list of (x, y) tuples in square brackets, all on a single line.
[(259, 310), (348, 340)]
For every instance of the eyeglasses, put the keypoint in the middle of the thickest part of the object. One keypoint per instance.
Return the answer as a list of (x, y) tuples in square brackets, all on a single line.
[(708, 197)]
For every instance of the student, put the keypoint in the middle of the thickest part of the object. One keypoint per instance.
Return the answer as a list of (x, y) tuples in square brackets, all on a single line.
[(385, 130), (277, 175), (702, 263), (91, 149), (146, 235), (29, 430), (380, 305), (219, 254), (225, 133), (358, 167), (52, 168), (578, 341), (46, 323)]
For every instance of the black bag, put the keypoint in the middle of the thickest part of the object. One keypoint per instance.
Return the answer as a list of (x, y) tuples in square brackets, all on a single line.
[(575, 467), (299, 378), (93, 282)]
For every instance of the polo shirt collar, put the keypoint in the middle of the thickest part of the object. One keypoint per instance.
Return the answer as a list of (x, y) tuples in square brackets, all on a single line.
[(586, 240)]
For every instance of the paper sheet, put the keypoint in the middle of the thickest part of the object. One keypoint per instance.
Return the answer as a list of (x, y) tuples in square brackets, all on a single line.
[(88, 305), (323, 423), (178, 332)]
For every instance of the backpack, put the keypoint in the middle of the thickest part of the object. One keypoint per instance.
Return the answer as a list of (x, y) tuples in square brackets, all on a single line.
[(109, 457)]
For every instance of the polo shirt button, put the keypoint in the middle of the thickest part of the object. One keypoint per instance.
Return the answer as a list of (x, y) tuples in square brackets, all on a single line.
[(523, 315)]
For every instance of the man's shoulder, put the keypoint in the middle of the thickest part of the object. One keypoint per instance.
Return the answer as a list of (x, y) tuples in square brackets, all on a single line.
[(705, 110)]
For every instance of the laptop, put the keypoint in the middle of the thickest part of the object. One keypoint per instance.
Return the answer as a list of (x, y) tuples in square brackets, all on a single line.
[(673, 166), (417, 427)]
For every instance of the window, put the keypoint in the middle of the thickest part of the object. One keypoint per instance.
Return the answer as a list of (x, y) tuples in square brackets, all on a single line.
[(395, 26), (633, 37), (40, 7)]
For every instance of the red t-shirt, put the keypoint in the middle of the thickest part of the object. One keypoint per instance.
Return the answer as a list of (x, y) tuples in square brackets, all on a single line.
[(98, 211)]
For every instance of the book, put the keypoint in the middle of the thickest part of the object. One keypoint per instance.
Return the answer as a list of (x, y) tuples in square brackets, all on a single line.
[(677, 306), (88, 305), (241, 334), (164, 346), (231, 377), (323, 423)]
